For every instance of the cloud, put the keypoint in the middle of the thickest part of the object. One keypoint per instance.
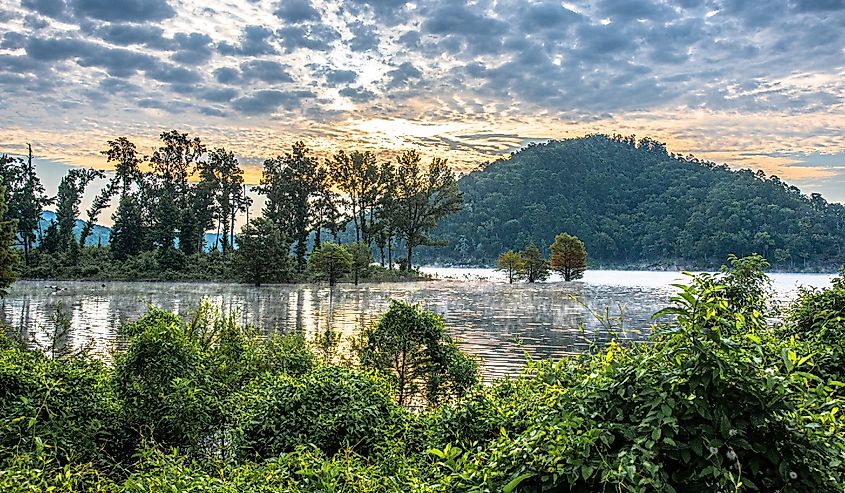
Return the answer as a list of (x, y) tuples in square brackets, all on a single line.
[(254, 40), (266, 101), (312, 36), (296, 11), (365, 37), (265, 70), (401, 75)]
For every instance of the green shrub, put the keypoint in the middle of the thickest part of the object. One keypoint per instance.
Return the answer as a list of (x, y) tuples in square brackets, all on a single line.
[(160, 382), (332, 408), (410, 346), (64, 404)]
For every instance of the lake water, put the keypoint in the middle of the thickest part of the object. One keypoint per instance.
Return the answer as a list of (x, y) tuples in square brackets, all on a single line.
[(499, 322)]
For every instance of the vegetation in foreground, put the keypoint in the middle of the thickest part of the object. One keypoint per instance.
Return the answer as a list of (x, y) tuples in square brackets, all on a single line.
[(720, 399)]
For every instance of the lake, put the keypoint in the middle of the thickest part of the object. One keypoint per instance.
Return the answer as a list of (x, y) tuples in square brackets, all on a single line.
[(501, 323)]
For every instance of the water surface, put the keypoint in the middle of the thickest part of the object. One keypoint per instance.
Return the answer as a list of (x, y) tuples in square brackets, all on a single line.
[(499, 322)]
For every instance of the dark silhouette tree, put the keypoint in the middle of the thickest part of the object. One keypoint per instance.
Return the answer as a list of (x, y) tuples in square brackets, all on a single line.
[(423, 195), (262, 254), (127, 236), (8, 253)]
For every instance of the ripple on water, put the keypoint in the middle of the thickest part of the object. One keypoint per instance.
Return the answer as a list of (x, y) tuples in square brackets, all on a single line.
[(499, 322)]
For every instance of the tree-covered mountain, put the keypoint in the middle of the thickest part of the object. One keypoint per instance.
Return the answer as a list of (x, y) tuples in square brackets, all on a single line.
[(633, 203)]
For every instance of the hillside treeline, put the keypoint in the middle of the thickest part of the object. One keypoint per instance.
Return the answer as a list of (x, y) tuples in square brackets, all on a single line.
[(634, 203)]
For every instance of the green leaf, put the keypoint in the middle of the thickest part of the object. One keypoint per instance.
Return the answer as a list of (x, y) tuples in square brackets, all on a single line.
[(513, 483)]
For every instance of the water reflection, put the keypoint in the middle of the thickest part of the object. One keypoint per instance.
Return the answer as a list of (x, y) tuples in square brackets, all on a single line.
[(501, 323)]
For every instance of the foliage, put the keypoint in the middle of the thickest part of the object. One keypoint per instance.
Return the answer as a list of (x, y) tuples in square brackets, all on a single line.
[(634, 204), (410, 346), (330, 262), (8, 255), (718, 398), (331, 408), (262, 254), (534, 266), (511, 263), (568, 257)]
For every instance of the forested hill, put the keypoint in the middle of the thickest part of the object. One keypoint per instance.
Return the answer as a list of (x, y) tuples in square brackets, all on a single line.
[(632, 203)]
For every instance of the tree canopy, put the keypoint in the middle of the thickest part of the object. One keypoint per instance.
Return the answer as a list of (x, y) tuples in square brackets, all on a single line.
[(633, 203)]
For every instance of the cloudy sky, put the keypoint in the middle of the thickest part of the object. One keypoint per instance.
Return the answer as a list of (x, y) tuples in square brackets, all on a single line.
[(757, 84)]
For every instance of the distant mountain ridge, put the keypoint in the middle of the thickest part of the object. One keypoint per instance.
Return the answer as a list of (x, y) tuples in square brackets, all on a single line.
[(101, 235), (633, 203)]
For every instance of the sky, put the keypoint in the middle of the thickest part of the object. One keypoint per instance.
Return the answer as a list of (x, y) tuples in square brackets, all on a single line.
[(755, 84)]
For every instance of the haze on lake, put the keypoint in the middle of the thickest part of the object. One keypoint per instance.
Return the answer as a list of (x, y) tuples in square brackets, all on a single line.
[(499, 322)]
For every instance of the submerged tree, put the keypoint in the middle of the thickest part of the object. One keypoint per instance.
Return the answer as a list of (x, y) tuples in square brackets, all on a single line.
[(361, 260), (534, 266), (330, 261), (411, 346), (262, 254), (422, 197), (511, 263), (568, 257)]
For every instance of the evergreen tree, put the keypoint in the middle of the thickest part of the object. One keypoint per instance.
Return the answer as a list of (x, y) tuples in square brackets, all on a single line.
[(8, 254), (127, 236), (568, 257), (330, 262), (534, 266), (68, 198), (262, 254)]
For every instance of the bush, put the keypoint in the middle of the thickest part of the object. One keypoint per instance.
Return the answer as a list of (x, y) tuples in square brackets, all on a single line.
[(332, 408), (160, 381)]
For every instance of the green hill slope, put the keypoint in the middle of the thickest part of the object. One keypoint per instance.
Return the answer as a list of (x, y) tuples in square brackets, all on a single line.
[(632, 203)]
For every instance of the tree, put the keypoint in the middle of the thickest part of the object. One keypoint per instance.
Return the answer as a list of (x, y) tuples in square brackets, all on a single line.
[(68, 198), (223, 170), (8, 254), (410, 346), (127, 236), (330, 261), (568, 257), (174, 214), (291, 183), (25, 198), (262, 254), (361, 259), (127, 163), (422, 197), (359, 178), (534, 266), (511, 263)]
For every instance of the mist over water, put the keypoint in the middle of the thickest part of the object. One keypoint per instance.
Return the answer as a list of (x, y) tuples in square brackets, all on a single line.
[(499, 322)]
